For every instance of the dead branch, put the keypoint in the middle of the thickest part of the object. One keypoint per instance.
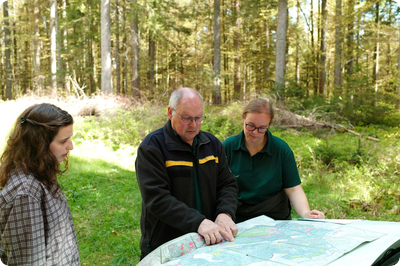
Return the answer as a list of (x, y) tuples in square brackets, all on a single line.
[(292, 120)]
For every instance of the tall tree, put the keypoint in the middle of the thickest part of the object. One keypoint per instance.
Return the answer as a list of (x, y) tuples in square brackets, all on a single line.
[(117, 55), (153, 28), (237, 84), (53, 46), (268, 39), (322, 59), (64, 65), (297, 43), (398, 75), (135, 44), (216, 95), (338, 44), (152, 63), (37, 47), (376, 50), (312, 72), (280, 57), (350, 38), (7, 43), (106, 68)]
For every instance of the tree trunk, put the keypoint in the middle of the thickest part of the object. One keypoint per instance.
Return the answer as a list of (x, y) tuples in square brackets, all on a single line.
[(216, 94), (350, 39), (237, 87), (281, 50), (53, 46), (151, 73), (124, 50), (37, 48), (227, 91), (398, 77), (16, 66), (135, 50), (322, 60), (106, 68), (268, 52), (117, 56), (60, 80), (298, 45), (338, 46), (7, 42), (313, 57), (65, 64), (376, 53)]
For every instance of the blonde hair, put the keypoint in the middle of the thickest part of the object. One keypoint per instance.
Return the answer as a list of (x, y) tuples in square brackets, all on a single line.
[(260, 106)]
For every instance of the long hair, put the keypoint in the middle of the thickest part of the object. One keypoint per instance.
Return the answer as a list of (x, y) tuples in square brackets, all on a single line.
[(28, 146)]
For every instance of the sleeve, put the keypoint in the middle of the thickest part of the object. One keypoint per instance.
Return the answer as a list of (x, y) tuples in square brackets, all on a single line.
[(23, 238), (227, 187), (154, 185)]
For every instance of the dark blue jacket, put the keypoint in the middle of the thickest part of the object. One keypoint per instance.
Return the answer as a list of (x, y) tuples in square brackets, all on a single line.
[(164, 170)]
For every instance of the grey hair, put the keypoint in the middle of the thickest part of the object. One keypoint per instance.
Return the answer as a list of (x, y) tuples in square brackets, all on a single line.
[(177, 95)]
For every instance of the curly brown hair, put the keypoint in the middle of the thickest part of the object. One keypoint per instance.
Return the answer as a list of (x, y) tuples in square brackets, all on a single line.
[(28, 146)]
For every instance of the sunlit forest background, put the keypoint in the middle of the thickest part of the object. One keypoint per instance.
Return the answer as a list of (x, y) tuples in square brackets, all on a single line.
[(330, 68), (342, 56)]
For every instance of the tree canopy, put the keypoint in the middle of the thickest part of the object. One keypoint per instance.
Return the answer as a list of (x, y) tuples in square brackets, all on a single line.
[(342, 53)]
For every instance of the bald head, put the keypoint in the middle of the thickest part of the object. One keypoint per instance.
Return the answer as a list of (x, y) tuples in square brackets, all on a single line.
[(185, 94)]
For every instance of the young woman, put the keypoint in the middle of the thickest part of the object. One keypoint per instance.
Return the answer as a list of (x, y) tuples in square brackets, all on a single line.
[(36, 226), (265, 169)]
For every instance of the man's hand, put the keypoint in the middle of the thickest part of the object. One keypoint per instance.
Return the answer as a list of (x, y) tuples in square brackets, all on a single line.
[(225, 221), (213, 232)]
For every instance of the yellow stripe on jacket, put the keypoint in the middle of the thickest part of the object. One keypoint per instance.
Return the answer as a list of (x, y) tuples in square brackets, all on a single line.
[(190, 164)]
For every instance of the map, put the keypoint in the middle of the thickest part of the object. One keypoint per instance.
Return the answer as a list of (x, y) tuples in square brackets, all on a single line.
[(264, 241)]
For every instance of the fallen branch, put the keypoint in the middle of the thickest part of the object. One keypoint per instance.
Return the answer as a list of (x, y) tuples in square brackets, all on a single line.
[(292, 120)]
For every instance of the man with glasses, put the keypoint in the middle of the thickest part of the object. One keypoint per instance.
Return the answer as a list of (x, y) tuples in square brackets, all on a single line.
[(265, 169), (184, 179)]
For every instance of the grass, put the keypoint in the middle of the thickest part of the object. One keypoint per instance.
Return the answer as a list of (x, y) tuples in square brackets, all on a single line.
[(105, 203), (344, 175)]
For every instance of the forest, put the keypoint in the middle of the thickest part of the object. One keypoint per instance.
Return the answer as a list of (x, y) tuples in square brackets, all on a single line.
[(331, 69), (342, 56)]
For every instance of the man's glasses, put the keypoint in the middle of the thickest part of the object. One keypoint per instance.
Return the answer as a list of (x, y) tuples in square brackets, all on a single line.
[(188, 119), (250, 127)]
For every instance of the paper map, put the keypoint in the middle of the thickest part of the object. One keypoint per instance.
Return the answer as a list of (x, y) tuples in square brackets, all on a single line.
[(264, 241)]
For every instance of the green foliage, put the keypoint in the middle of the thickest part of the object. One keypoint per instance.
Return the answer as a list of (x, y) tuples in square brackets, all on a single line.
[(220, 126), (223, 121), (121, 127)]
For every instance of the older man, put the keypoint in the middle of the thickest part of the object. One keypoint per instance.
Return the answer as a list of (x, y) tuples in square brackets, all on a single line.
[(184, 179)]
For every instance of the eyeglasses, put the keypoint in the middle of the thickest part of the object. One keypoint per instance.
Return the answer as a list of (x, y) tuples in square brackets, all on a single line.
[(261, 130), (188, 119)]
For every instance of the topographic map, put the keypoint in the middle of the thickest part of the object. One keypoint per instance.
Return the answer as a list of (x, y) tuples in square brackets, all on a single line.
[(264, 241)]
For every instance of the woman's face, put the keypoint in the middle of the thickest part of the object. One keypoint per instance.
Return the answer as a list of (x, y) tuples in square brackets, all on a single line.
[(258, 120), (62, 143)]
